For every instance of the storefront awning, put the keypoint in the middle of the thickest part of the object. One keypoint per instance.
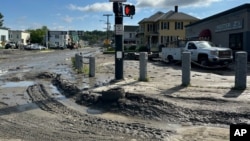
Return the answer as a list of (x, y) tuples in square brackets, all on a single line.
[(206, 33)]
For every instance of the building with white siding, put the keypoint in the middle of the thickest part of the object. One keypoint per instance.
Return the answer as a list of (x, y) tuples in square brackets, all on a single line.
[(19, 37), (57, 39), (4, 36)]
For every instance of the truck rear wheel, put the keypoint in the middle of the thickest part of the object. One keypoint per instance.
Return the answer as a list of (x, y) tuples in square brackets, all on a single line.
[(170, 59)]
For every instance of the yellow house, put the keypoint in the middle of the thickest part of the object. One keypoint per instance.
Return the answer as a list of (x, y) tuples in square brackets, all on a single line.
[(161, 28)]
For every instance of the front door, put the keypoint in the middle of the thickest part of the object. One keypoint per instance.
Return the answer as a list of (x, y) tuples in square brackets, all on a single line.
[(236, 42)]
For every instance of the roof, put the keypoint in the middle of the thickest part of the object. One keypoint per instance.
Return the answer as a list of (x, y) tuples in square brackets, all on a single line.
[(4, 28), (130, 28), (19, 31), (239, 8), (153, 18), (170, 15)]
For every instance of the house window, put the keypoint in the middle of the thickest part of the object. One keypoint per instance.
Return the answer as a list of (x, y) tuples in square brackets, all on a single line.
[(151, 27), (166, 25), (130, 35), (178, 25), (57, 36), (3, 38), (17, 36), (167, 39)]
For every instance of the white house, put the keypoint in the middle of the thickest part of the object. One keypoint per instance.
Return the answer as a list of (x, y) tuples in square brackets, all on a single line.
[(4, 36), (19, 37), (57, 39), (129, 35)]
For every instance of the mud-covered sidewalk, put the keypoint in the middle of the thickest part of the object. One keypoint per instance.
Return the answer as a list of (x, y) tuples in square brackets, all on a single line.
[(50, 101)]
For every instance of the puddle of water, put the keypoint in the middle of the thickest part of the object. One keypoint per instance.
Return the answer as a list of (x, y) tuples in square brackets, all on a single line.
[(2, 72), (17, 84), (27, 107), (94, 111)]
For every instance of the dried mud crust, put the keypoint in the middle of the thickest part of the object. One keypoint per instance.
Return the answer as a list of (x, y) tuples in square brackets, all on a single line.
[(81, 124), (151, 108)]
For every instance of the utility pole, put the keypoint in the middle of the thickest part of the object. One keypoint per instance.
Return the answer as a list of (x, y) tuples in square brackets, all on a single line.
[(108, 25)]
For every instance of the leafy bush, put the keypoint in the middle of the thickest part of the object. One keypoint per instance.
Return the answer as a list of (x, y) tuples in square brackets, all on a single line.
[(133, 47), (110, 49), (143, 48)]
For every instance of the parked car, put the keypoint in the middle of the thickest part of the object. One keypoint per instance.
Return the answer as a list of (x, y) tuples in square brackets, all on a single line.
[(35, 47), (10, 45)]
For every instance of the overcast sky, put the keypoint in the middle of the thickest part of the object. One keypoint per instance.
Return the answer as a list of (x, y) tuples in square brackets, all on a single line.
[(87, 15)]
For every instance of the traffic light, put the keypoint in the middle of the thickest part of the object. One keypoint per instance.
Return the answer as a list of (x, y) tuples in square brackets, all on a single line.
[(129, 10), (117, 8)]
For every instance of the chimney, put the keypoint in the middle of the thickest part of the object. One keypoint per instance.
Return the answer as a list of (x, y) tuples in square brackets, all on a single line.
[(176, 9)]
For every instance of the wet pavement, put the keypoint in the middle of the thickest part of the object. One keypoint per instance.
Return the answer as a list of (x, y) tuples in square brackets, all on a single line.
[(160, 109)]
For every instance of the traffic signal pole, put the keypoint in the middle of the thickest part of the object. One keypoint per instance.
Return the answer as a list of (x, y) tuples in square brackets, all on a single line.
[(119, 54)]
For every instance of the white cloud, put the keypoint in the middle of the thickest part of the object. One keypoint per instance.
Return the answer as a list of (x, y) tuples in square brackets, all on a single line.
[(171, 3), (96, 7), (68, 19)]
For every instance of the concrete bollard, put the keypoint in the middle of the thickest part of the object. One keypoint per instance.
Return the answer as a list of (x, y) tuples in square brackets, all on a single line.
[(186, 68), (77, 61), (143, 66), (80, 67), (241, 70), (91, 66)]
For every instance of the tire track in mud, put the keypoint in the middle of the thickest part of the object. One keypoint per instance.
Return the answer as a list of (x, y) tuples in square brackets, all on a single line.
[(152, 108), (77, 122)]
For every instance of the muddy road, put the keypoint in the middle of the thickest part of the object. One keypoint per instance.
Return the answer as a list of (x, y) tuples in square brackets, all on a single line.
[(43, 98)]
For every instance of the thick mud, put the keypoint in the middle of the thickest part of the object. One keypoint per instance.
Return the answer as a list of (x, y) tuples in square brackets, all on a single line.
[(149, 108), (43, 98)]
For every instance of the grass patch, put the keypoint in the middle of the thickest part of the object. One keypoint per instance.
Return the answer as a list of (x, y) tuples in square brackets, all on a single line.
[(83, 70), (109, 52)]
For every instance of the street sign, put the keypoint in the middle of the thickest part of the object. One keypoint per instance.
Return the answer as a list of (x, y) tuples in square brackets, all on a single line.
[(119, 29), (117, 0), (118, 54)]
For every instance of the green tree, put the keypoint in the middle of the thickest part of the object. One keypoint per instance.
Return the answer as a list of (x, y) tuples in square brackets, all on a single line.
[(1, 19), (38, 35)]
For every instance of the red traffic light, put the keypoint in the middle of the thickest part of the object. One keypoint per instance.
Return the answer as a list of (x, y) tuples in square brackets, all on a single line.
[(129, 10)]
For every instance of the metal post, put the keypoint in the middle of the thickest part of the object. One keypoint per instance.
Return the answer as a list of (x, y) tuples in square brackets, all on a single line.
[(118, 41), (241, 70), (143, 66), (91, 66), (186, 67)]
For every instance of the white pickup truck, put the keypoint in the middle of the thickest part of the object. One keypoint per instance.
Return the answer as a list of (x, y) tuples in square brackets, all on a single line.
[(203, 52)]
